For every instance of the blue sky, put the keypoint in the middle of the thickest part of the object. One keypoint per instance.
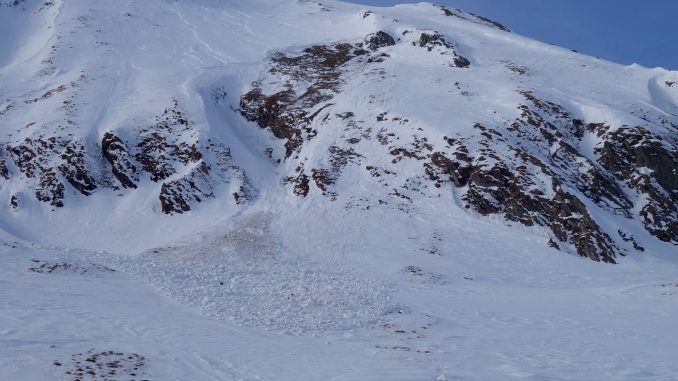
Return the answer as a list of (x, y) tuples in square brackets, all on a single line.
[(624, 31)]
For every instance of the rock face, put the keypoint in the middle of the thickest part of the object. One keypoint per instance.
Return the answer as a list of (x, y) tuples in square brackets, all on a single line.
[(379, 40), (648, 165), (117, 154), (4, 171), (74, 168), (473, 18), (286, 112), (437, 42)]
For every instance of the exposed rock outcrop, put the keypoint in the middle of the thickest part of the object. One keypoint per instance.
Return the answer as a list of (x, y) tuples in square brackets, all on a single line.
[(649, 165), (74, 168), (4, 170), (118, 156), (473, 18), (166, 152)]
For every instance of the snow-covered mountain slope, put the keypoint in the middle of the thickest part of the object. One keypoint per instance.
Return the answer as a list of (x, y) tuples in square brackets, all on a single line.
[(372, 181), (463, 315), (140, 109)]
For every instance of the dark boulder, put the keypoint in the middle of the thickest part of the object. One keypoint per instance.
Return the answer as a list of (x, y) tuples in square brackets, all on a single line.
[(379, 40)]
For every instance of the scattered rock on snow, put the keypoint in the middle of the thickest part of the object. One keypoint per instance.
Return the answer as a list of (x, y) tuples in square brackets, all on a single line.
[(104, 366), (49, 267)]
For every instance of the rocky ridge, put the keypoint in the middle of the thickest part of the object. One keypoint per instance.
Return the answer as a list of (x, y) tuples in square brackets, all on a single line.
[(530, 170)]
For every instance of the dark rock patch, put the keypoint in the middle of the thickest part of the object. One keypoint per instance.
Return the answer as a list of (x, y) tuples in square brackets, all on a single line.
[(103, 366), (299, 182), (518, 69), (176, 196), (4, 171), (74, 168), (628, 153), (430, 41), (14, 202), (117, 154), (50, 189), (158, 146), (494, 23), (379, 40), (24, 155), (626, 237), (49, 267), (498, 184), (436, 41), (323, 179), (473, 18), (461, 62)]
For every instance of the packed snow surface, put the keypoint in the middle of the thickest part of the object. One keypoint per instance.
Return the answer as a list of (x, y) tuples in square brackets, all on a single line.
[(480, 311), (102, 280)]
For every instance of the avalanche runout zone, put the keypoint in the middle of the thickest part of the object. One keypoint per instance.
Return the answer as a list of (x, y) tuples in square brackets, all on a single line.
[(246, 277)]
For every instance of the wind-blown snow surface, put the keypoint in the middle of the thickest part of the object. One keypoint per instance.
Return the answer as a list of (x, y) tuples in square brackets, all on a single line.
[(350, 282)]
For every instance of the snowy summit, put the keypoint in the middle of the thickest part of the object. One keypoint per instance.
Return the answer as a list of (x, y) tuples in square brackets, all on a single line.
[(303, 190)]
